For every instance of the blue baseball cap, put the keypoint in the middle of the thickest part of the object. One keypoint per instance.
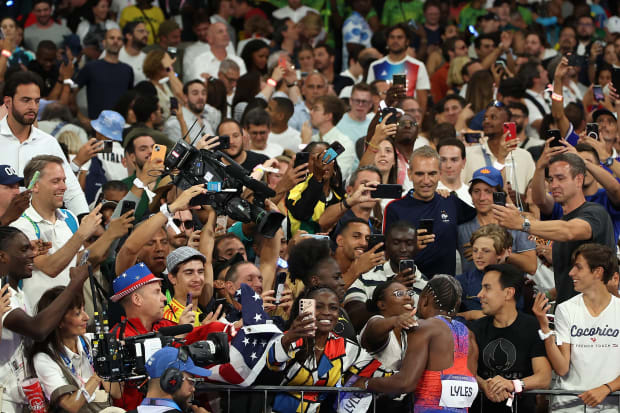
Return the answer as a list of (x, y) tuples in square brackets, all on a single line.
[(169, 357), (135, 277), (488, 175), (8, 176), (110, 124)]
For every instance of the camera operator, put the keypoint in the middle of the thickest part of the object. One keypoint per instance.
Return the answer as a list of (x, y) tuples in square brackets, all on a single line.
[(399, 245), (171, 382), (63, 361), (19, 322)]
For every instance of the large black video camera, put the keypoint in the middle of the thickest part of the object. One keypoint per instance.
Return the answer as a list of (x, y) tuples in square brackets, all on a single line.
[(225, 182), (121, 360)]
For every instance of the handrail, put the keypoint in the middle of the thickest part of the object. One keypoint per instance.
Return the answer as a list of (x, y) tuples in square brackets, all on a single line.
[(320, 389)]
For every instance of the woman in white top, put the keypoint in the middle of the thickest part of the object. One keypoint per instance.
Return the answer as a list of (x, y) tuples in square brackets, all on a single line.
[(97, 21), (385, 334), (63, 362), (158, 70)]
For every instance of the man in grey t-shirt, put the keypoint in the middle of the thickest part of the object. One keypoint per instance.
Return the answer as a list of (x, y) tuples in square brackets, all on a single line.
[(45, 28)]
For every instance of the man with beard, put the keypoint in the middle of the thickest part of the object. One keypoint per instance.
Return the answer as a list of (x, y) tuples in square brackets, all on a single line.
[(106, 79), (598, 186), (196, 109), (567, 40), (45, 28), (136, 37), (582, 222), (399, 62), (20, 321), (185, 222), (171, 392), (143, 11), (21, 141), (404, 141), (400, 245), (535, 47), (437, 250), (351, 254), (138, 151), (519, 115), (498, 153), (324, 57), (247, 159)]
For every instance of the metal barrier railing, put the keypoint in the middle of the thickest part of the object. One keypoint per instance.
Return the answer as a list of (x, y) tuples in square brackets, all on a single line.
[(212, 387)]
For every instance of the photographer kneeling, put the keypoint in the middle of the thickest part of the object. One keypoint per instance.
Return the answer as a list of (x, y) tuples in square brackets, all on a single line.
[(63, 361), (171, 374)]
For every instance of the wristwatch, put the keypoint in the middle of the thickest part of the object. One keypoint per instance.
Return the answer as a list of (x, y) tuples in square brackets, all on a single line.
[(526, 225), (609, 161)]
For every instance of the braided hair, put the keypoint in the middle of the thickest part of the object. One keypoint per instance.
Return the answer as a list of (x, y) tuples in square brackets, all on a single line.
[(6, 235), (446, 292)]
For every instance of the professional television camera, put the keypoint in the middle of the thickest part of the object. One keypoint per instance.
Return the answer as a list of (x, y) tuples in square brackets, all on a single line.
[(225, 182), (120, 360)]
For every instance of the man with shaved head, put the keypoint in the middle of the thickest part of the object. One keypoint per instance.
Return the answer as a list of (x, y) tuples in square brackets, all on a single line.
[(106, 79), (208, 63)]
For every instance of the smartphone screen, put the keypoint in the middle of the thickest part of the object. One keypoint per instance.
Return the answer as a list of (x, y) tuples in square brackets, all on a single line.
[(472, 137), (597, 91), (279, 288), (511, 128), (615, 78), (172, 52), (107, 147), (174, 103), (332, 152), (189, 299), (399, 80)]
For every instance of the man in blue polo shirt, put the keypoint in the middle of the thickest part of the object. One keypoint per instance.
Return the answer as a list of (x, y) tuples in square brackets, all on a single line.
[(436, 254)]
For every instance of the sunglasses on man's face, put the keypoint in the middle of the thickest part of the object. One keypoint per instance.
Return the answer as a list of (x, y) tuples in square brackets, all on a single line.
[(189, 224)]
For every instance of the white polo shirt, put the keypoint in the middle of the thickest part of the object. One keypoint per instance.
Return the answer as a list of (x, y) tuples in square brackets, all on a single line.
[(12, 359), (18, 154), (58, 233), (50, 373), (208, 63)]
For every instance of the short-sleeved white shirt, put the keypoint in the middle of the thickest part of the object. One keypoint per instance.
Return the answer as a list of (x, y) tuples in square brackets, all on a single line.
[(58, 233), (594, 354), (11, 356)]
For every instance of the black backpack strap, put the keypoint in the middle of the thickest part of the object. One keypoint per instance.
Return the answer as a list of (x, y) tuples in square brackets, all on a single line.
[(536, 103)]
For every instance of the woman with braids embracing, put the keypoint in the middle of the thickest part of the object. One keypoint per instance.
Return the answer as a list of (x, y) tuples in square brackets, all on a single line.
[(442, 356), (310, 353)]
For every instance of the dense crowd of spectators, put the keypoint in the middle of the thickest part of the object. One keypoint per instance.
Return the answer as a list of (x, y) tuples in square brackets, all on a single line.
[(422, 197)]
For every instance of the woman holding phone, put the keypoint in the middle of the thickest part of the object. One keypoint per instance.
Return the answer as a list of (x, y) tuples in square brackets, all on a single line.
[(63, 362), (309, 201), (311, 354)]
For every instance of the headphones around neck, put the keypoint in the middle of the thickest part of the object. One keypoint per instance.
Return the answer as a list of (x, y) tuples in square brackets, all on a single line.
[(172, 378)]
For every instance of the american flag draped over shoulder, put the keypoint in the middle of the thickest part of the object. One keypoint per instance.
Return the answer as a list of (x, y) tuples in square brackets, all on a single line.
[(249, 346)]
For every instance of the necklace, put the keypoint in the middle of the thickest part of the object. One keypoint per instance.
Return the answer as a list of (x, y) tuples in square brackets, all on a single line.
[(319, 348)]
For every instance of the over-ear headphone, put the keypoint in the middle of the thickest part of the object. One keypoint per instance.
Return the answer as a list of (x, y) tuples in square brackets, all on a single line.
[(172, 378)]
